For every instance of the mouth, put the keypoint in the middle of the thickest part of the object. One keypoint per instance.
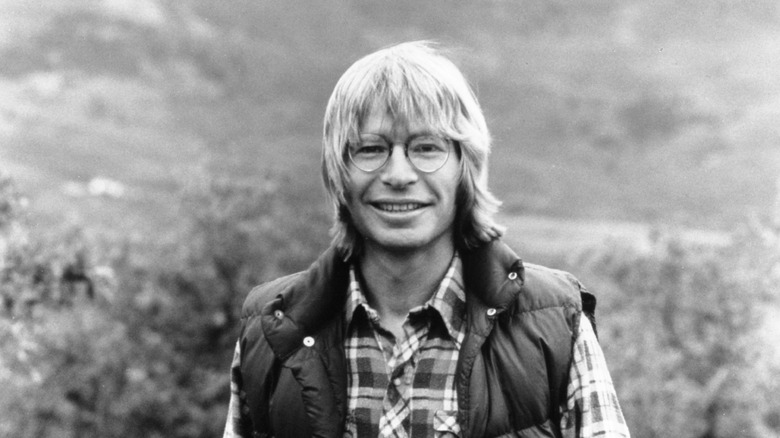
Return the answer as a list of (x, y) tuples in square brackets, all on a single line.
[(397, 207)]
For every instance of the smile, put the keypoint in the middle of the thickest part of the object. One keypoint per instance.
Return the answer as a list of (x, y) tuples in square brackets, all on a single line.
[(398, 208)]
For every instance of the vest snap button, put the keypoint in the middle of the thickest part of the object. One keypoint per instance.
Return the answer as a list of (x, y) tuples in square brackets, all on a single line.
[(308, 341), (278, 314), (513, 275), (491, 312)]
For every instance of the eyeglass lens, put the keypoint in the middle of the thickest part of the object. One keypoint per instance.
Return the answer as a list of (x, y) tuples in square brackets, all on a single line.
[(426, 153)]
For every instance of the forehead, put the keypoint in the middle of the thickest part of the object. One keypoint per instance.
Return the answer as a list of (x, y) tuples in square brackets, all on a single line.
[(386, 120)]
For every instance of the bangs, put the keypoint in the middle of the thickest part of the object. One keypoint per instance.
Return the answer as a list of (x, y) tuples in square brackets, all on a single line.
[(405, 95)]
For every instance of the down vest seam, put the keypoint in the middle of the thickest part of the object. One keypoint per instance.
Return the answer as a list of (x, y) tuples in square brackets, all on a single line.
[(521, 312), (296, 390)]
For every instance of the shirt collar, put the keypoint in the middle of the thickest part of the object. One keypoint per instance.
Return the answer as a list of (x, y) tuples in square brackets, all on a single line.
[(449, 300)]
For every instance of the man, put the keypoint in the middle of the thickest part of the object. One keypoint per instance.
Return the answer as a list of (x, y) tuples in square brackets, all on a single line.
[(418, 321)]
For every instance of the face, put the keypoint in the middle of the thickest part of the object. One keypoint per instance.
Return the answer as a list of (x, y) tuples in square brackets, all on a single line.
[(398, 207)]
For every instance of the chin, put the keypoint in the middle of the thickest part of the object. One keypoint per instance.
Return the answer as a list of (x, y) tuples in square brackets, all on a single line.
[(398, 244), (407, 243)]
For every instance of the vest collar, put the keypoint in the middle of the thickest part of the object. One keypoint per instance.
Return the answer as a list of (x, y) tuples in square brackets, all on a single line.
[(317, 293), (493, 275)]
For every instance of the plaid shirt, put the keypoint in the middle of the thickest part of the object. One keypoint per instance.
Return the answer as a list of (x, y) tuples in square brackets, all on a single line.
[(407, 386)]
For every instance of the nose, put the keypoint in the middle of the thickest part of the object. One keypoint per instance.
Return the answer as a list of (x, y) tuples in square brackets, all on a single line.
[(398, 172)]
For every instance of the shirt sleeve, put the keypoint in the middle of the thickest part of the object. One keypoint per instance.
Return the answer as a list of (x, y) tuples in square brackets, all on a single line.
[(237, 409), (591, 408)]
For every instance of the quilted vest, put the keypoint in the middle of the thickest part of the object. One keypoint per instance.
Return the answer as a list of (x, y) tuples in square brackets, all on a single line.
[(513, 365)]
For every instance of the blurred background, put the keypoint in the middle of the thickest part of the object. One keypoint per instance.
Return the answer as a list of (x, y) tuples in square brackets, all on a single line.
[(158, 158)]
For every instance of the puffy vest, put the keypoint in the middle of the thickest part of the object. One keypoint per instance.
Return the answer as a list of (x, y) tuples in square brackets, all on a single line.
[(513, 366)]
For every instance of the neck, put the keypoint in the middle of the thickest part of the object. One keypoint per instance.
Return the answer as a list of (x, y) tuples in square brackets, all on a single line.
[(399, 281)]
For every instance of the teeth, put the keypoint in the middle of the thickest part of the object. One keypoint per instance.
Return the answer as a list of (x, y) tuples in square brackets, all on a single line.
[(398, 207)]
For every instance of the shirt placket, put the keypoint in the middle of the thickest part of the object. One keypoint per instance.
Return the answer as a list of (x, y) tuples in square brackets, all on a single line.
[(400, 366)]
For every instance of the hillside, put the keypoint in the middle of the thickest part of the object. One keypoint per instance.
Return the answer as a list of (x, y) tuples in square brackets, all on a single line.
[(662, 113)]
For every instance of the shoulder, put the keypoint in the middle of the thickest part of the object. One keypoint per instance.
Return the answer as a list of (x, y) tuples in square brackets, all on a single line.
[(546, 287), (499, 278), (308, 297), (552, 281), (262, 294), (256, 306)]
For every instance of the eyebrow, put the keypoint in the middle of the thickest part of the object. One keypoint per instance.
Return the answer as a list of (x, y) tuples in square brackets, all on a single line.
[(410, 137)]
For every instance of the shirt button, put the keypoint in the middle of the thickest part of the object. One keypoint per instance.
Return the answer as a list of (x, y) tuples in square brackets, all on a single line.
[(513, 275), (491, 312), (397, 382), (278, 314), (308, 341)]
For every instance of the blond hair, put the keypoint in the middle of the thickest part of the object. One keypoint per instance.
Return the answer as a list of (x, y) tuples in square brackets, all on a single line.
[(411, 81)]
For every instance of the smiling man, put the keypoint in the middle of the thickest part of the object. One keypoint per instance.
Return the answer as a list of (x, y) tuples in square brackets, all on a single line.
[(419, 320)]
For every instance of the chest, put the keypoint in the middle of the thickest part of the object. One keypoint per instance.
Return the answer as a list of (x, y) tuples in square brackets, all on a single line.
[(401, 384)]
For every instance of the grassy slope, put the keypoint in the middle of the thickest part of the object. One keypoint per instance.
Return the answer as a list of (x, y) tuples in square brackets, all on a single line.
[(615, 110)]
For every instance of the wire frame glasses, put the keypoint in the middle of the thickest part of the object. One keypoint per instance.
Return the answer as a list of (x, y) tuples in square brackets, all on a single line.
[(427, 153)]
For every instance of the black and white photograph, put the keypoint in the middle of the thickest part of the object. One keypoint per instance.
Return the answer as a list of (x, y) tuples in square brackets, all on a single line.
[(347, 218)]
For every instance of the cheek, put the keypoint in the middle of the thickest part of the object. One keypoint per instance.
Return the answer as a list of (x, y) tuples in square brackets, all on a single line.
[(351, 188), (353, 196), (357, 183), (453, 188)]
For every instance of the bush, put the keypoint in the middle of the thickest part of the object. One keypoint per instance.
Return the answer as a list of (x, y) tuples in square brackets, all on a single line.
[(683, 326), (147, 351), (138, 345)]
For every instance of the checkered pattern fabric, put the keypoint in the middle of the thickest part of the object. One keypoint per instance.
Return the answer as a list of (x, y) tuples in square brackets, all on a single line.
[(592, 408), (405, 387), (238, 411)]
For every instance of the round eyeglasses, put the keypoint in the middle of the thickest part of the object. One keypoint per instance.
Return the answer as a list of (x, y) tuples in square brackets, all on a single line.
[(427, 153)]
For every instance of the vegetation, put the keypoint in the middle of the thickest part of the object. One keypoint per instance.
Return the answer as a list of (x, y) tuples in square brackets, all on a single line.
[(146, 352), (687, 330), (202, 122)]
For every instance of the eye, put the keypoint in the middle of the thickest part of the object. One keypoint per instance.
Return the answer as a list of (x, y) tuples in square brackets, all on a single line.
[(428, 145), (366, 149)]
